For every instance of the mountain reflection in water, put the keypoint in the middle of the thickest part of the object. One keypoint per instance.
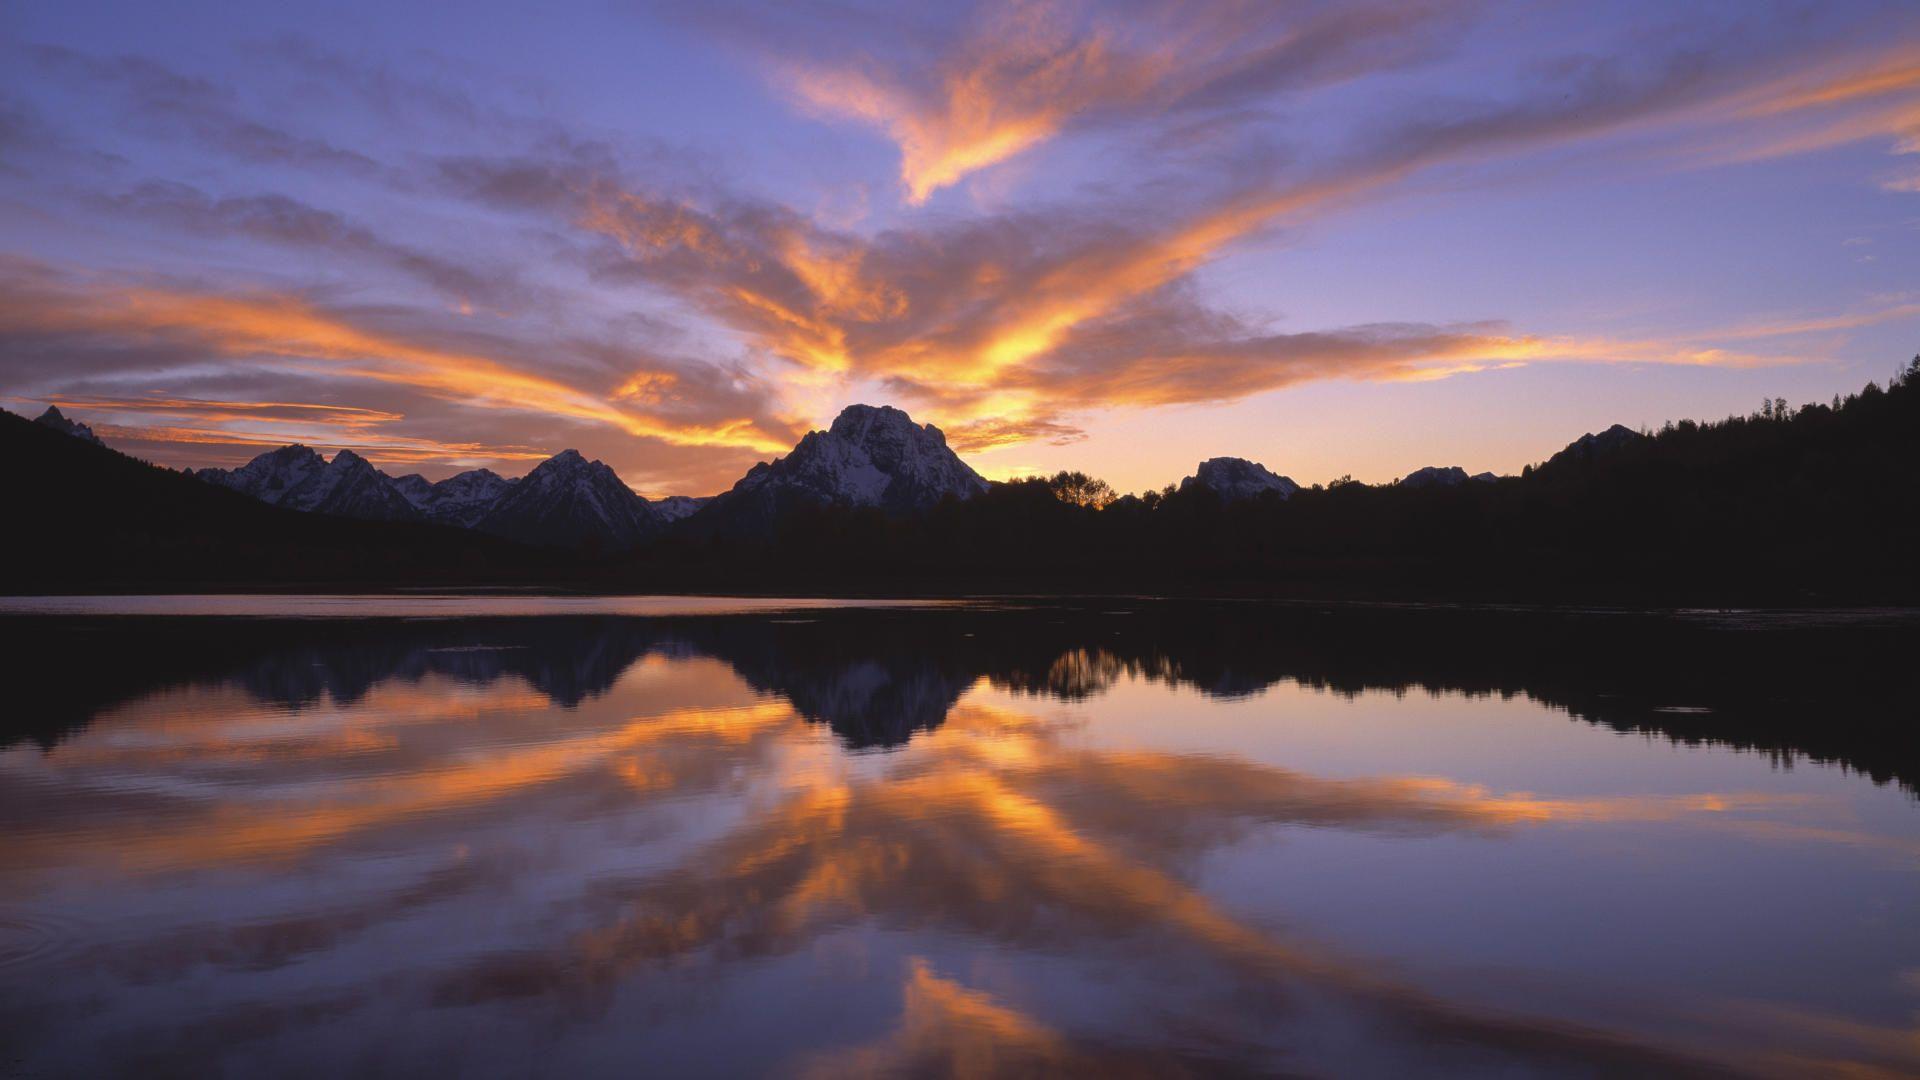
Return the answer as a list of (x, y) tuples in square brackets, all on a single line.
[(1142, 838)]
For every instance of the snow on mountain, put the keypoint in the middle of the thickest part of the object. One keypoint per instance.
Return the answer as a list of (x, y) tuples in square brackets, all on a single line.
[(675, 507), (462, 499), (919, 468), (271, 475), (568, 501), (58, 421), (870, 456), (1233, 479), (298, 478), (350, 486), (414, 488)]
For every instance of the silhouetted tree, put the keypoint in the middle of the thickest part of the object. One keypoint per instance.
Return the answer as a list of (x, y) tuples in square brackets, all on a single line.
[(1079, 489)]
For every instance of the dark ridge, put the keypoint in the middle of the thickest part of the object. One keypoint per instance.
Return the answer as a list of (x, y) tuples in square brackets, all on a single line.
[(88, 518)]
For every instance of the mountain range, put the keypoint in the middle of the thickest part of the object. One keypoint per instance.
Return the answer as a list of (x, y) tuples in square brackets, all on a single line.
[(874, 457), (1818, 502), (871, 457)]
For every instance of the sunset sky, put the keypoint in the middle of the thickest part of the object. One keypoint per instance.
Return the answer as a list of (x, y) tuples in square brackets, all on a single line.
[(1344, 238)]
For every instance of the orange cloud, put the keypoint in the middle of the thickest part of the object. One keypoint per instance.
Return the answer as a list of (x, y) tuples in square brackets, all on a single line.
[(1028, 70), (1014, 85), (297, 335)]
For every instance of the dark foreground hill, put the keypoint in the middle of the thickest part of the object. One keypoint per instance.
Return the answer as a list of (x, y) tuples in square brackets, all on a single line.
[(82, 516), (1815, 505)]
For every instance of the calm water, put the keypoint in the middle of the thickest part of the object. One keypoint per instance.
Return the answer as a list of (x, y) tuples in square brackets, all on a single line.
[(1121, 838)]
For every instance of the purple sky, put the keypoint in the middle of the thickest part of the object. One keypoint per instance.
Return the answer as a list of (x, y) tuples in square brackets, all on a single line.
[(1336, 238)]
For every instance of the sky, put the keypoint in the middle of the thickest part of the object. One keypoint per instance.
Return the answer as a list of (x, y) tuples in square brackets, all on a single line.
[(1342, 239)]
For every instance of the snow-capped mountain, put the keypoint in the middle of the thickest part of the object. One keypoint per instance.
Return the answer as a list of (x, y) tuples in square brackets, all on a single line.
[(351, 487), (270, 476), (675, 507), (1233, 479), (298, 478), (58, 421), (870, 456), (462, 499), (568, 501)]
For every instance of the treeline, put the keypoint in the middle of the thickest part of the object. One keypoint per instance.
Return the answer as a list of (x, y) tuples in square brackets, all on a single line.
[(1815, 504)]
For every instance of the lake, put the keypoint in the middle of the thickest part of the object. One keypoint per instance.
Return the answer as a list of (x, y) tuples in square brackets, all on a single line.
[(510, 836)]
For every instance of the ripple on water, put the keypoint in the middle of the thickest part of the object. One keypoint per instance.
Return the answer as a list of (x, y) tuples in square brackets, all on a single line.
[(30, 938)]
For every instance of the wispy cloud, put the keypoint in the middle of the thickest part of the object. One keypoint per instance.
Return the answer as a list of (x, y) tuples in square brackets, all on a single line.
[(202, 110), (1027, 71), (151, 329), (1003, 324), (288, 222)]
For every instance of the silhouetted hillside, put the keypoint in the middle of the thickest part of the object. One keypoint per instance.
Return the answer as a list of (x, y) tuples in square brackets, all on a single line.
[(1818, 504), (82, 516)]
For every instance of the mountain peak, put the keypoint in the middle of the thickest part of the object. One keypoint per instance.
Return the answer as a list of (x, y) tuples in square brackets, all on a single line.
[(871, 455), (856, 422), (57, 420), (298, 478), (565, 501), (1435, 476), (1592, 445), (1233, 479)]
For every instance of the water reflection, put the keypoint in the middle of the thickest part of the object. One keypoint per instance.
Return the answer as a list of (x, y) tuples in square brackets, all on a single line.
[(1175, 839)]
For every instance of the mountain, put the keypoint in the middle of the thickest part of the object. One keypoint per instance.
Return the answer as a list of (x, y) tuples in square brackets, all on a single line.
[(351, 487), (1443, 476), (1435, 476), (870, 457), (675, 507), (462, 499), (1233, 479), (298, 478), (568, 501), (270, 476), (1590, 447), (102, 521), (414, 488), (55, 419)]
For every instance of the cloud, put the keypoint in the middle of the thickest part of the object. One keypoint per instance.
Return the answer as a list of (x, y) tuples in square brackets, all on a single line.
[(114, 335), (279, 219), (1002, 326), (1026, 72), (231, 431), (201, 109)]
